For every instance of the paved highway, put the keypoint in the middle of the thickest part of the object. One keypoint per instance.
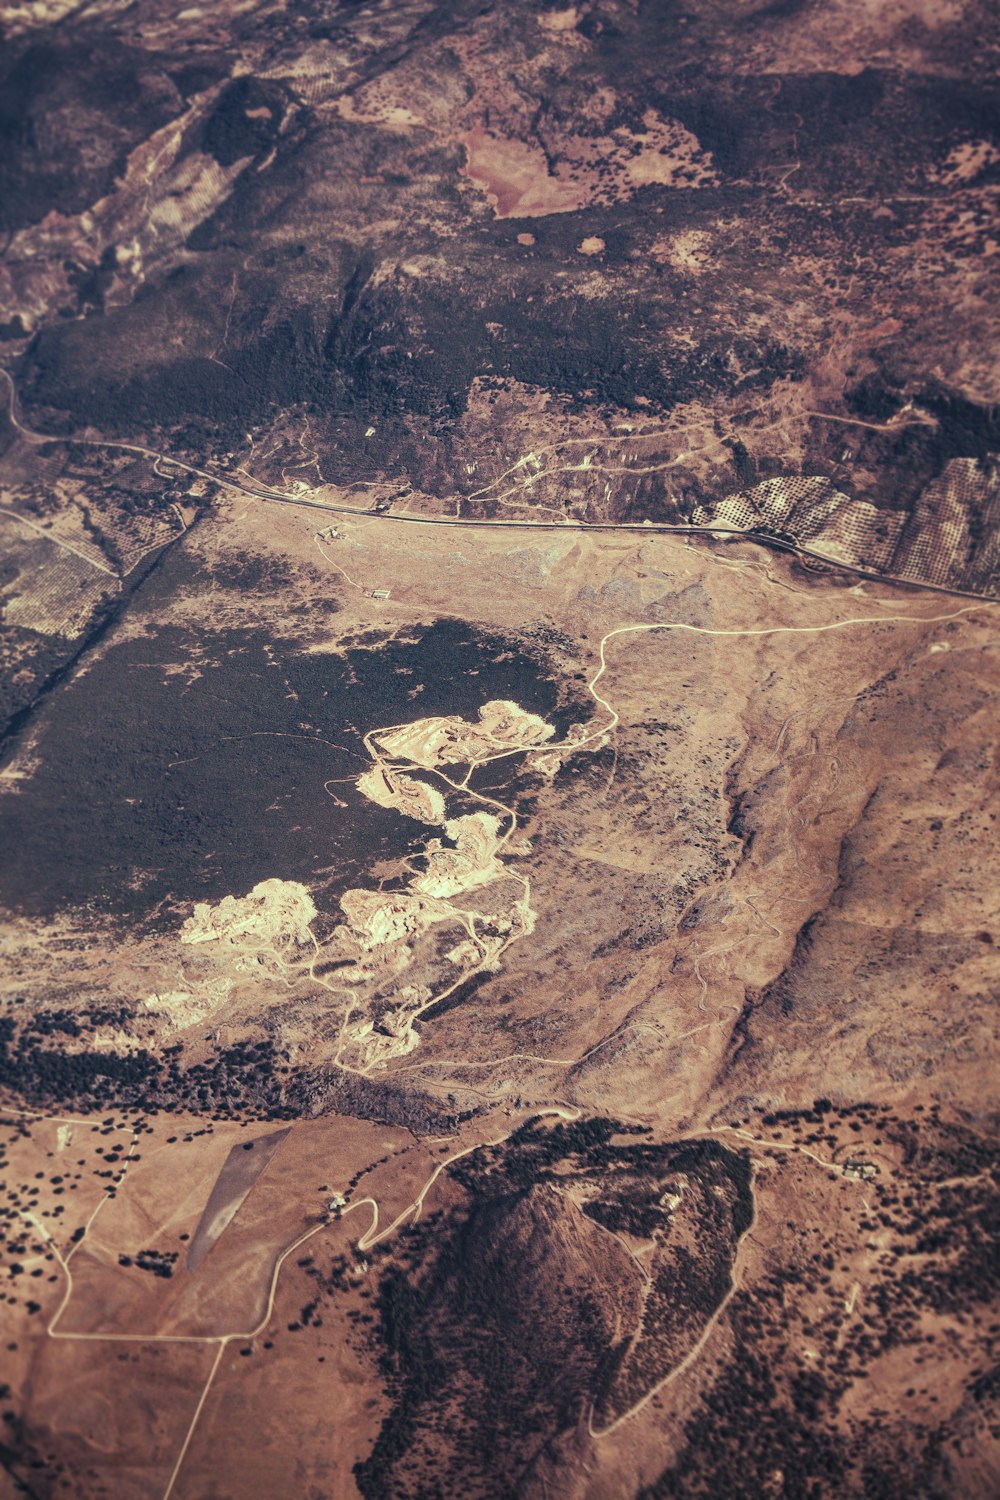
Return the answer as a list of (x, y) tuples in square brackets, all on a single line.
[(397, 517)]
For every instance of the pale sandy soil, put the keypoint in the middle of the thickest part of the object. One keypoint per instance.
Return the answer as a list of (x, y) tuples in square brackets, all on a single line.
[(729, 692)]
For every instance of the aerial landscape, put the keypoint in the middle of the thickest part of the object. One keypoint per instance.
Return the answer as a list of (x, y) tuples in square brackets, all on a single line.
[(499, 698)]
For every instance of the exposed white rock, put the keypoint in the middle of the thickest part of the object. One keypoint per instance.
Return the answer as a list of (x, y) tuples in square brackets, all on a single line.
[(275, 911)]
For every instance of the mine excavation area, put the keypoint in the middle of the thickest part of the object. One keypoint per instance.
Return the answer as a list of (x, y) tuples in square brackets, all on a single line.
[(372, 1126), (499, 914)]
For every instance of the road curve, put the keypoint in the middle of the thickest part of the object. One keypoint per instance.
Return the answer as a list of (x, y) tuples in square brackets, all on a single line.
[(642, 528)]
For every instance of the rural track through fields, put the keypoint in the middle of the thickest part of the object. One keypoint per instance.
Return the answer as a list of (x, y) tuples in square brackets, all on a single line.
[(372, 1236)]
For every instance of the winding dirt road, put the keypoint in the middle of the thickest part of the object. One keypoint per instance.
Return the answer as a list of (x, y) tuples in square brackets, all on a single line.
[(372, 1236)]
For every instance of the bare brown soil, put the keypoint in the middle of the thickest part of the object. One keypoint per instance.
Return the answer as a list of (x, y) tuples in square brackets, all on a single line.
[(767, 859), (498, 965)]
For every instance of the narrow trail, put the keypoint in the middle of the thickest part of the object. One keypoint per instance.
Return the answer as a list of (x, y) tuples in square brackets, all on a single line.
[(693, 1353), (259, 491), (488, 957), (375, 1235), (764, 1146), (175, 1471), (372, 1236), (753, 631), (614, 717), (601, 735), (58, 541)]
